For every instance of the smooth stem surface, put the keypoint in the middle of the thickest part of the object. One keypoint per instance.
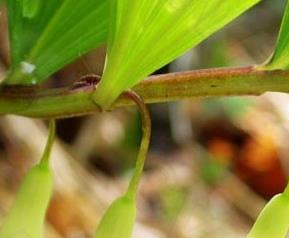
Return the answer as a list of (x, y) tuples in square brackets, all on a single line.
[(44, 162), (146, 135), (72, 101), (286, 191)]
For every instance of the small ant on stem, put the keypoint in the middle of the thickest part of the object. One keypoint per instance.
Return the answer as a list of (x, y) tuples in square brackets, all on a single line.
[(86, 81)]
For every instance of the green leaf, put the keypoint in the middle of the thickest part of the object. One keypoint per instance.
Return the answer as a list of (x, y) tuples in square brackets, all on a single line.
[(27, 215), (47, 35), (119, 219), (25, 31), (147, 34), (280, 57), (273, 221), (31, 8)]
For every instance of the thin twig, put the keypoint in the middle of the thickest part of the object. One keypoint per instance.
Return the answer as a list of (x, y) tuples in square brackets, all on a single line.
[(47, 151), (143, 150)]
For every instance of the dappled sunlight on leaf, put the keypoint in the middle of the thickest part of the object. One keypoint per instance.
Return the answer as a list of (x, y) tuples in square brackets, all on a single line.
[(146, 35)]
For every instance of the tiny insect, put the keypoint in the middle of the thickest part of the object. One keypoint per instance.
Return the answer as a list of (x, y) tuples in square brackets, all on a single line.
[(86, 81)]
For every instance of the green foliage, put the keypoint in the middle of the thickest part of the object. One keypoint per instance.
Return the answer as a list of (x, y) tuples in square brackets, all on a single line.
[(27, 214), (24, 31), (213, 170), (273, 221), (144, 35), (147, 34), (280, 59), (31, 8), (118, 220), (47, 35), (173, 200)]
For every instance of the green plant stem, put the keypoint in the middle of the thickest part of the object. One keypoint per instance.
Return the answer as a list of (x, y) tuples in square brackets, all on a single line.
[(44, 162), (286, 191), (69, 101), (146, 135)]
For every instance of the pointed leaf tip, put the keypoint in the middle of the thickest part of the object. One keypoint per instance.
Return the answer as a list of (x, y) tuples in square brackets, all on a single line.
[(280, 57)]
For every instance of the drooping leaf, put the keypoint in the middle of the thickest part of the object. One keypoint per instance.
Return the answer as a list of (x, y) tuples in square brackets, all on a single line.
[(273, 221), (47, 35), (119, 219), (147, 34), (27, 215), (280, 57)]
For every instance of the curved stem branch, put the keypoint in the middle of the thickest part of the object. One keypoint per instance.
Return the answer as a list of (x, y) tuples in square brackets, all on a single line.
[(146, 135), (44, 162)]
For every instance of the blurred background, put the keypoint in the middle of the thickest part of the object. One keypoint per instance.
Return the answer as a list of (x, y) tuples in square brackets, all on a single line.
[(212, 165)]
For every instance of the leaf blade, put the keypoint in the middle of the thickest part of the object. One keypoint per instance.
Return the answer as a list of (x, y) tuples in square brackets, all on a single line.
[(149, 34), (71, 30), (277, 209), (24, 31), (280, 56)]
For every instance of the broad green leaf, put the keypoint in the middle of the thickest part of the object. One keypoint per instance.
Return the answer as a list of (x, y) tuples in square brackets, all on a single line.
[(24, 31), (147, 34), (119, 219), (31, 8), (27, 215), (273, 221), (47, 35), (280, 57)]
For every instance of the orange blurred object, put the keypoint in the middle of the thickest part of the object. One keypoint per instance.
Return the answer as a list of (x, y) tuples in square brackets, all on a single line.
[(259, 166)]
